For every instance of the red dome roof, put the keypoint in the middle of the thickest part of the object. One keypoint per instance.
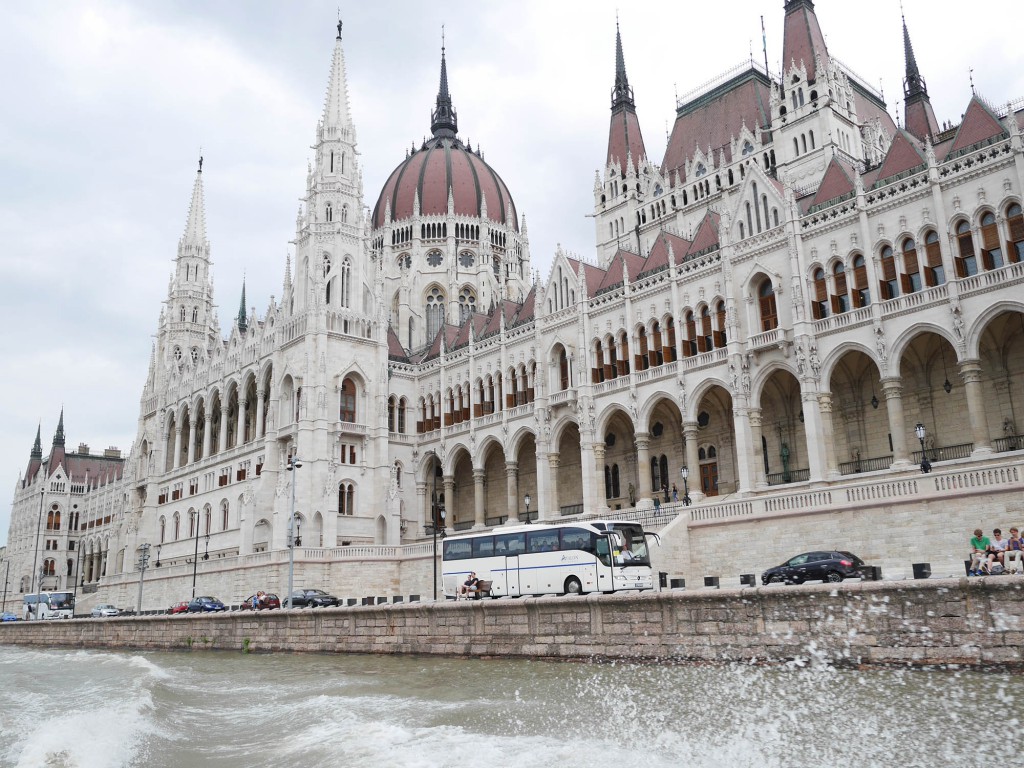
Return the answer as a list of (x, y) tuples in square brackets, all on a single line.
[(443, 164)]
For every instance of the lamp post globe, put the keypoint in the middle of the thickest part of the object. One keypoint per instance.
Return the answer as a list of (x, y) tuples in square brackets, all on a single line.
[(684, 472), (293, 464), (526, 500), (919, 430)]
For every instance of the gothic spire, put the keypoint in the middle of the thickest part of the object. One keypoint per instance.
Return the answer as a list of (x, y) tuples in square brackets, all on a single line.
[(243, 320), (625, 142), (37, 447), (443, 120), (622, 94), (194, 236), (802, 39), (336, 108), (58, 438), (919, 116)]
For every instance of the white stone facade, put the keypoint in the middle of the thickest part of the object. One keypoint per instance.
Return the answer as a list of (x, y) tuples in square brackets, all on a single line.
[(779, 341)]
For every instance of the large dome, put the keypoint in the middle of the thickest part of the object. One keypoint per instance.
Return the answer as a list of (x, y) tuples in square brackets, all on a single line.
[(440, 166), (443, 166)]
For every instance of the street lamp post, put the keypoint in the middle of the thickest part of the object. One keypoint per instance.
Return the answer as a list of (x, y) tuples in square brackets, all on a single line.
[(78, 569), (195, 556), (158, 548), (293, 464), (685, 472), (39, 527), (526, 499), (3, 606), (437, 515), (143, 562), (926, 466)]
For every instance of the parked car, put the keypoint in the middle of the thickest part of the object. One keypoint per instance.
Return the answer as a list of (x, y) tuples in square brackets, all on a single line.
[(8, 616), (179, 607), (105, 609), (313, 598), (205, 604), (833, 565), (267, 602)]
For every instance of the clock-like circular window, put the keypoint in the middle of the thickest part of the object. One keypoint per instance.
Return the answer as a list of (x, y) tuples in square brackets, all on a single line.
[(434, 258)]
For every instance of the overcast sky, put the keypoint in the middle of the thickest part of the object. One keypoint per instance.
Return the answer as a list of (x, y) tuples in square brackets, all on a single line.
[(106, 106)]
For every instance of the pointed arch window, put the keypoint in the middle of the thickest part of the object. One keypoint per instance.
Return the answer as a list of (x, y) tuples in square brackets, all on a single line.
[(181, 314), (841, 298), (1015, 221), (991, 249), (934, 274), (328, 213), (861, 292), (467, 304), (888, 286), (720, 338), (642, 358), (690, 342), (766, 304), (344, 214), (348, 401), (401, 416), (391, 414), (435, 312), (346, 283), (819, 306), (706, 339), (224, 514), (563, 369), (967, 261), (346, 499), (657, 353), (669, 346), (195, 314), (912, 280)]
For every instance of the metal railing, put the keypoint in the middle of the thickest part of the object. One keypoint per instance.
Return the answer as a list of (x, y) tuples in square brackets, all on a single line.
[(1012, 443), (944, 453), (857, 466), (792, 476)]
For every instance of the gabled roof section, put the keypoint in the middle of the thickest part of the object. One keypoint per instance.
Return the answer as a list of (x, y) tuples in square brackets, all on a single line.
[(802, 38), (979, 127), (903, 158), (658, 258), (594, 274), (396, 351), (706, 239), (526, 310), (450, 333), (620, 262), (836, 185), (711, 119)]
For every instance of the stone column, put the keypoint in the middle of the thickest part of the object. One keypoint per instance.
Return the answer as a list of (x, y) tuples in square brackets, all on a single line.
[(511, 490), (552, 510), (258, 427), (757, 453), (814, 434), (205, 423), (449, 502), (240, 424), (222, 437), (424, 500), (643, 461), (828, 435), (598, 450), (692, 463), (593, 491), (177, 447), (892, 391), (970, 372), (191, 448), (478, 498)]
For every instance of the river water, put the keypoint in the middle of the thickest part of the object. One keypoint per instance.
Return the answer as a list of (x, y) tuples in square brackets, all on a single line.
[(92, 709)]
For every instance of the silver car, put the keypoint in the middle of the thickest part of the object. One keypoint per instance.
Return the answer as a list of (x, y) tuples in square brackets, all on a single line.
[(105, 609)]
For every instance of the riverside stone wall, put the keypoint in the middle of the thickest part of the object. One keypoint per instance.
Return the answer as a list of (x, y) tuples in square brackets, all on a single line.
[(969, 622)]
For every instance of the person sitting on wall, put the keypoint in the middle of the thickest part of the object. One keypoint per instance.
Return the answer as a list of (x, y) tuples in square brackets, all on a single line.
[(1013, 558), (979, 554), (470, 585), (996, 549)]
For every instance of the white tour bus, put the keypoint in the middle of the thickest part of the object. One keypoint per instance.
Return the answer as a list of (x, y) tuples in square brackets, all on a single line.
[(49, 605), (563, 558)]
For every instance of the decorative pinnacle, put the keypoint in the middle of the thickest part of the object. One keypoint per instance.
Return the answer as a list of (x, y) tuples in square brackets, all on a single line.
[(339, 24), (621, 92), (444, 121)]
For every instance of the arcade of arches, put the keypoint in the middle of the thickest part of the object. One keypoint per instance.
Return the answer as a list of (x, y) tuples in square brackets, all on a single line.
[(967, 391)]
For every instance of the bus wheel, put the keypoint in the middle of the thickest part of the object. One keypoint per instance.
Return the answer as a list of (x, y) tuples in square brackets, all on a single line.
[(572, 586)]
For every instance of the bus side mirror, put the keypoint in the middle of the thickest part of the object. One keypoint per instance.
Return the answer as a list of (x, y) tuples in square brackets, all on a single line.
[(657, 538)]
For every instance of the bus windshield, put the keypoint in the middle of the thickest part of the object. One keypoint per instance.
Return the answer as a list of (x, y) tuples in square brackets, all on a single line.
[(631, 546)]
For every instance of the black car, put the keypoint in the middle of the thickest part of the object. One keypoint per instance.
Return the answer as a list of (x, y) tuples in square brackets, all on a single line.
[(205, 604), (313, 598), (834, 566)]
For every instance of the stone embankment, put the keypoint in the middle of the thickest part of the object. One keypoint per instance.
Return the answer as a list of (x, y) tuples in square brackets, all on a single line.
[(974, 623)]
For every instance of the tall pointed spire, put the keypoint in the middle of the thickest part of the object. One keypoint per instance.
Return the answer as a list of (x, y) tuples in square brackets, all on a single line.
[(443, 120), (802, 39), (243, 320), (336, 108), (58, 438), (625, 142), (194, 236), (37, 447), (622, 94), (919, 115)]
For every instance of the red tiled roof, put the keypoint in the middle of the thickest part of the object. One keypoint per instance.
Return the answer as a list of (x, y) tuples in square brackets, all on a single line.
[(624, 138), (707, 233), (658, 257), (395, 348), (903, 155), (613, 277), (837, 181), (802, 38), (920, 118), (526, 311), (714, 119), (594, 275), (978, 124)]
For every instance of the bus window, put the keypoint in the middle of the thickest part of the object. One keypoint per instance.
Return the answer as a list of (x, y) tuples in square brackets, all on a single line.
[(542, 541), (512, 543), (601, 544), (483, 547), (458, 549), (577, 538), (633, 544)]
